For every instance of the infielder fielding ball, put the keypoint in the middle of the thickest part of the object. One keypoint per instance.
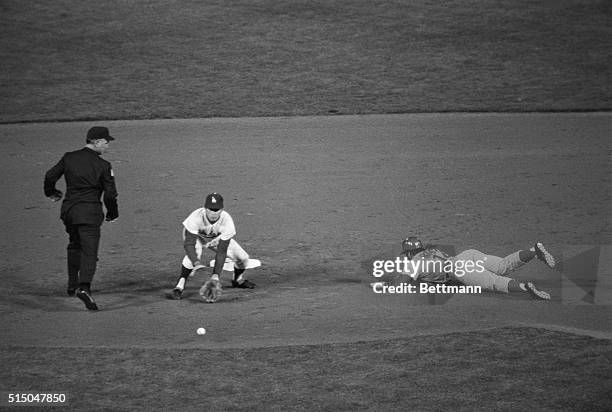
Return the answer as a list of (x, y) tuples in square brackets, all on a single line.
[(201, 331)]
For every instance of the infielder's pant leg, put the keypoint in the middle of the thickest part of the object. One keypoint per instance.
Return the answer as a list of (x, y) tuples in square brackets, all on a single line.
[(73, 255), (237, 254), (89, 236), (198, 248), (482, 274), (234, 252)]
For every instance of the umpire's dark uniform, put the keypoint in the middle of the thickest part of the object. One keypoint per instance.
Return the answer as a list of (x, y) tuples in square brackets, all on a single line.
[(88, 176)]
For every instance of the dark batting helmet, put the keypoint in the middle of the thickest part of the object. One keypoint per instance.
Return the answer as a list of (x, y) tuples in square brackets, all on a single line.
[(412, 245)]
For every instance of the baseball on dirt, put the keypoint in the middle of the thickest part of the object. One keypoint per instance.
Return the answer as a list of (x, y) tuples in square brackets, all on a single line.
[(201, 331)]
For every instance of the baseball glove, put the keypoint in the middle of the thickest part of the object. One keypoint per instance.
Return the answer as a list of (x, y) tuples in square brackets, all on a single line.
[(211, 290)]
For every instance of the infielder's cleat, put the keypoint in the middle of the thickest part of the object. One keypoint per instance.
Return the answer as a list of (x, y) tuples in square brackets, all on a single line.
[(245, 284), (539, 294), (176, 294), (70, 291), (87, 299), (544, 255)]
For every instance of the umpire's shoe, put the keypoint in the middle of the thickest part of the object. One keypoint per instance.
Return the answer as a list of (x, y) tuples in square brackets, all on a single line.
[(533, 291), (245, 284), (544, 255), (85, 296)]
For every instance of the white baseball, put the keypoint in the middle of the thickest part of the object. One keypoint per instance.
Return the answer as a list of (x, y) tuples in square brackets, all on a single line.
[(201, 331)]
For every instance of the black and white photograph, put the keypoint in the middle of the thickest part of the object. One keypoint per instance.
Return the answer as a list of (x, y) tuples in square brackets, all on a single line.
[(306, 205)]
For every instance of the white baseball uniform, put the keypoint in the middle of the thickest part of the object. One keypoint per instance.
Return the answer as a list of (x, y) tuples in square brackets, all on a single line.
[(209, 235)]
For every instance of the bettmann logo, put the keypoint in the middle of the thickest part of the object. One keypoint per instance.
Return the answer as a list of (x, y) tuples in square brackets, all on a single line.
[(410, 288)]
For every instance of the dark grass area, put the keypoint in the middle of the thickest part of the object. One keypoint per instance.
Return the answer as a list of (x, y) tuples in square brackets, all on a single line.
[(502, 369), (170, 59)]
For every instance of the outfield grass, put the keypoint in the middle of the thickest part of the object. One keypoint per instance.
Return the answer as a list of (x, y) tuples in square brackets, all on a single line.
[(508, 368), (178, 59)]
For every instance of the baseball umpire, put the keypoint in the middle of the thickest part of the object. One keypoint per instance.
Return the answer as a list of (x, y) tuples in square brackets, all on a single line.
[(87, 176)]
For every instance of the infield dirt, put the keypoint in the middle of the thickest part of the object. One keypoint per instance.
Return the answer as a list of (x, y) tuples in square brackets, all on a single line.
[(317, 200)]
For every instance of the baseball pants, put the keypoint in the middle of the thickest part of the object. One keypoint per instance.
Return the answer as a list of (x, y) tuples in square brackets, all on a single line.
[(235, 252), (82, 251), (493, 277)]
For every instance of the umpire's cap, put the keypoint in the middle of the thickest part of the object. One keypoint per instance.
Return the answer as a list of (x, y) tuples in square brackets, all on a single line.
[(98, 132), (214, 201)]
